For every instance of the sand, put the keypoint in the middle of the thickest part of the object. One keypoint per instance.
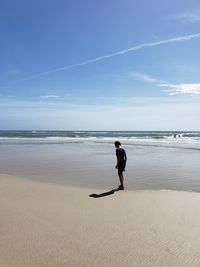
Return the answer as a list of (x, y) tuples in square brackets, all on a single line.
[(43, 224)]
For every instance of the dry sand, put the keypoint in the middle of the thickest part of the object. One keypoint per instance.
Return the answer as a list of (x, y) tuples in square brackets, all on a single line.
[(44, 224)]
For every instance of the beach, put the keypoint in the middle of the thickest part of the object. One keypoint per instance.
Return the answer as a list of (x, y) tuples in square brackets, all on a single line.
[(45, 224), (59, 205)]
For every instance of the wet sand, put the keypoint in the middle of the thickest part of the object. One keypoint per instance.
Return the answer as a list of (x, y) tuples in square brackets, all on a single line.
[(93, 165), (44, 224)]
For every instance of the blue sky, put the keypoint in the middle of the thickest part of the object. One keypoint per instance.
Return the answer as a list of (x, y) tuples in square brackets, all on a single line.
[(104, 65)]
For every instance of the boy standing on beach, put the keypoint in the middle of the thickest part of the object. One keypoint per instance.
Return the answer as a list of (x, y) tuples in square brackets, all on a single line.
[(121, 163)]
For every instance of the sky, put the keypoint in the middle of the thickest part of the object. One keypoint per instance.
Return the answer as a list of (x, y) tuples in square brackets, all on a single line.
[(99, 65)]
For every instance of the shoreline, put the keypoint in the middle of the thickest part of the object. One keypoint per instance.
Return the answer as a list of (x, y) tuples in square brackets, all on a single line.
[(107, 187), (44, 224)]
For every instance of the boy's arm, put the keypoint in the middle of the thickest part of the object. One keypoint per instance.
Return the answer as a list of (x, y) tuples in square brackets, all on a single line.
[(118, 159), (125, 157)]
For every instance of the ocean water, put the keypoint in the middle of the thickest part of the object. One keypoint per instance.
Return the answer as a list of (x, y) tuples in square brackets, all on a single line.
[(156, 160), (162, 138)]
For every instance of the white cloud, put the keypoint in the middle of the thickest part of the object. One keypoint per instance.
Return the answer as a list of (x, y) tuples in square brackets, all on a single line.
[(189, 16), (172, 89), (49, 96), (182, 88), (118, 53)]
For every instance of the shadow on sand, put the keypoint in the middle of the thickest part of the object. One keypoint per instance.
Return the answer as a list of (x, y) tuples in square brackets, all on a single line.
[(105, 194)]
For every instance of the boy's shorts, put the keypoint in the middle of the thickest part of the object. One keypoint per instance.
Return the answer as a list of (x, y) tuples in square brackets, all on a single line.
[(121, 169)]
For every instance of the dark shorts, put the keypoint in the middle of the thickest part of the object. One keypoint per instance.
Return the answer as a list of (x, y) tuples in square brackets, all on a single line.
[(121, 169)]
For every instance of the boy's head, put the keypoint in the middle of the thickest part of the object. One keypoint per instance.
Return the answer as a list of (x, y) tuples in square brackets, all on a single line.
[(117, 144)]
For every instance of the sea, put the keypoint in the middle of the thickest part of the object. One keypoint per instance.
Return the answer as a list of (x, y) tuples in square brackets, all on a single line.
[(157, 160), (187, 138)]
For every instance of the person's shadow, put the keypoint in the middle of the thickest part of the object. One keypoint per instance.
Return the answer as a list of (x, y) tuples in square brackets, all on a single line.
[(105, 194)]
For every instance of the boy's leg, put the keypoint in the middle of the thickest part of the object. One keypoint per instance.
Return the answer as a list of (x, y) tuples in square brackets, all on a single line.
[(121, 179)]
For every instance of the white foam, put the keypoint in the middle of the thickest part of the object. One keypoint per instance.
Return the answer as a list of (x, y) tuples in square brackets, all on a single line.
[(166, 141)]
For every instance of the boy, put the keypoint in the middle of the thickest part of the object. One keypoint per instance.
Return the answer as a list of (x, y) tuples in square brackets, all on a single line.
[(121, 163)]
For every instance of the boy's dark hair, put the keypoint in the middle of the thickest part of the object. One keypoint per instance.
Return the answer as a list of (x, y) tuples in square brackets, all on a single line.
[(117, 143)]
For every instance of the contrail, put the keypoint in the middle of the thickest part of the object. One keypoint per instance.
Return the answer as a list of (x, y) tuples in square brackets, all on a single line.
[(118, 53)]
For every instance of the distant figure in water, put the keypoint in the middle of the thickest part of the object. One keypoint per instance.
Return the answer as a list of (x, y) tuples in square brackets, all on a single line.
[(121, 163), (174, 135)]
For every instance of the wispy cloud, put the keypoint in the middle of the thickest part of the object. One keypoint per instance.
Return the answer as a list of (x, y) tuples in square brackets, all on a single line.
[(172, 89), (118, 53), (49, 96), (189, 16), (183, 88), (14, 71), (145, 77)]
